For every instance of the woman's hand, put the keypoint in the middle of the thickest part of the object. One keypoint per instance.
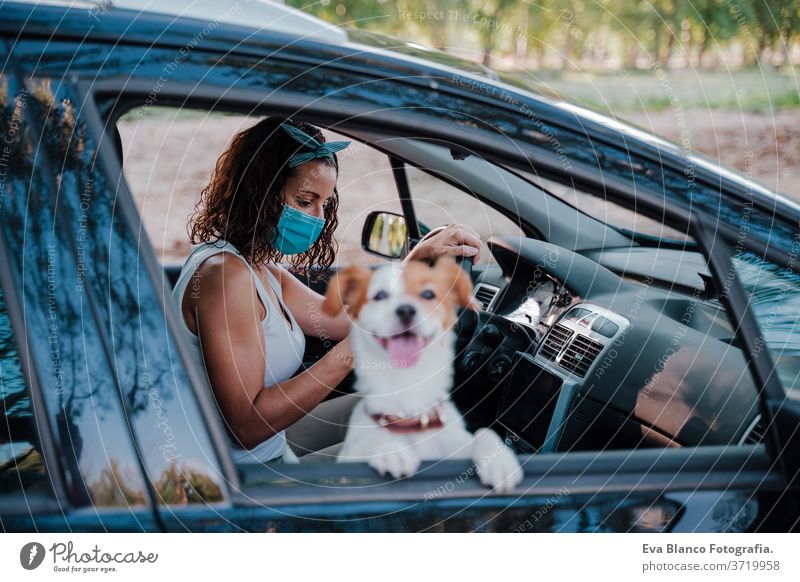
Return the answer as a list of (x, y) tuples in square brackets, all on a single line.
[(457, 240)]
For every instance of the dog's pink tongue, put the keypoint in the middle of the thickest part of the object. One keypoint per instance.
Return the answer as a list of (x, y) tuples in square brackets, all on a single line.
[(404, 350)]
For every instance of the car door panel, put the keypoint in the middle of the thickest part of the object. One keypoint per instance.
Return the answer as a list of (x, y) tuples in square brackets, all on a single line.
[(712, 489)]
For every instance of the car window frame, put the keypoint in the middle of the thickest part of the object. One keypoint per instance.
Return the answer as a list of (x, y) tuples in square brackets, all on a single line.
[(102, 126), (336, 118)]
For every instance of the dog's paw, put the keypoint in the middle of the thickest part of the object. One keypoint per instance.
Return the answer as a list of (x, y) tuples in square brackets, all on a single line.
[(398, 461), (497, 465)]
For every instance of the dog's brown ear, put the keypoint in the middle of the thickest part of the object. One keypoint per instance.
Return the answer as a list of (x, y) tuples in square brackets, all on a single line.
[(458, 282), (348, 288)]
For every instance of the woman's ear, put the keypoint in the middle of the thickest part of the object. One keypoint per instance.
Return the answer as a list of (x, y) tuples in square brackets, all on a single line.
[(458, 282), (348, 288)]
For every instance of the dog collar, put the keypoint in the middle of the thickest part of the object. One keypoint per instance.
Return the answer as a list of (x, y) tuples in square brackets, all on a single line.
[(430, 419)]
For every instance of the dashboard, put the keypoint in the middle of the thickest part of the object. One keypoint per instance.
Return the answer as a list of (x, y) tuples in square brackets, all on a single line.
[(569, 355), (543, 300)]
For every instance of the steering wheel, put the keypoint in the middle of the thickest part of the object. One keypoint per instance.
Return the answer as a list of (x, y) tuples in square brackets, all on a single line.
[(466, 264), (486, 346)]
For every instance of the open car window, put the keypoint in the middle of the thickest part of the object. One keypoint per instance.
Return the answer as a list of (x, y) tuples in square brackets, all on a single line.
[(169, 154)]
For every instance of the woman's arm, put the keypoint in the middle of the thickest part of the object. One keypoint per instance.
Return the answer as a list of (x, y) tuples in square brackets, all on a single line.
[(228, 314), (306, 307)]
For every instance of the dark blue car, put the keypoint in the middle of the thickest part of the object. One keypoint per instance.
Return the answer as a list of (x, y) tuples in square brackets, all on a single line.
[(638, 342)]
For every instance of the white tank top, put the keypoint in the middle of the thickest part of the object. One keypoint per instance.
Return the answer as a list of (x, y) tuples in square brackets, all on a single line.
[(284, 343)]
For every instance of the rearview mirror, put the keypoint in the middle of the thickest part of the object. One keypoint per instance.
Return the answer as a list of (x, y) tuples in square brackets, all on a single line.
[(385, 234)]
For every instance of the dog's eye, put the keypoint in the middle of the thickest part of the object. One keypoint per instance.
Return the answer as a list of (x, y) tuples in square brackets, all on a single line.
[(380, 295), (427, 294)]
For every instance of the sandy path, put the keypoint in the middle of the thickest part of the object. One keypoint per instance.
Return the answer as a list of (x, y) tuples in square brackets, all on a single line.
[(766, 148)]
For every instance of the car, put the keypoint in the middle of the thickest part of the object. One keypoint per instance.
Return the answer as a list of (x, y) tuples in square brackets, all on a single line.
[(637, 342)]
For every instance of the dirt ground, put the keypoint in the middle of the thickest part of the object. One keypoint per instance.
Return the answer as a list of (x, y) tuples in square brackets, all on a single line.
[(168, 160), (764, 147)]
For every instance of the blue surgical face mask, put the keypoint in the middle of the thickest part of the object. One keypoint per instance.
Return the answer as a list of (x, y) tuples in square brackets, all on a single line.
[(297, 231)]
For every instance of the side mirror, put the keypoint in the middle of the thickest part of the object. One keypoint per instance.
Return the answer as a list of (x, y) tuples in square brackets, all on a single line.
[(385, 234)]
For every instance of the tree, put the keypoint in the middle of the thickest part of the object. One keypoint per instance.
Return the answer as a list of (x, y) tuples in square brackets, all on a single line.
[(541, 18), (776, 25)]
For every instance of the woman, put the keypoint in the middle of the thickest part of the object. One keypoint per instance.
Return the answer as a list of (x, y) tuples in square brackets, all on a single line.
[(273, 196)]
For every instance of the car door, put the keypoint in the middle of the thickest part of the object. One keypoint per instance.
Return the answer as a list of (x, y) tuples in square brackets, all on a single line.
[(703, 488)]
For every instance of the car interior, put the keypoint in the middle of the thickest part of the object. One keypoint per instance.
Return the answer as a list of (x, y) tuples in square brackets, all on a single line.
[(599, 328)]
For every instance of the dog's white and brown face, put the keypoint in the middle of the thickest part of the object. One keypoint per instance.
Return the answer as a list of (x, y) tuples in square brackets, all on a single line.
[(402, 324), (403, 342)]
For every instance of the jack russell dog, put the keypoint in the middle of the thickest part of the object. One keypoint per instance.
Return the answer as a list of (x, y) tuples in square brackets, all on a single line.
[(404, 347)]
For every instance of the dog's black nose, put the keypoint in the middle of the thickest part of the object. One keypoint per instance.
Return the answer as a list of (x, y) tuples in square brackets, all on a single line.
[(406, 313)]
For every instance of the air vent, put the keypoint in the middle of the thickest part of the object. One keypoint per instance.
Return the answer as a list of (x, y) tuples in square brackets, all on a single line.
[(485, 294), (580, 355), (756, 434), (555, 342)]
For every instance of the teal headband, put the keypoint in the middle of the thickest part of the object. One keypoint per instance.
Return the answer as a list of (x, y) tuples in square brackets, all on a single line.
[(318, 150)]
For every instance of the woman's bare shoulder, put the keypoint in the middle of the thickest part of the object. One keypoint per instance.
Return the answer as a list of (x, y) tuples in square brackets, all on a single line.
[(224, 279), (224, 270)]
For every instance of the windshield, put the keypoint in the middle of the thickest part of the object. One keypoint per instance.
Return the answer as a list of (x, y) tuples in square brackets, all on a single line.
[(774, 294), (634, 225)]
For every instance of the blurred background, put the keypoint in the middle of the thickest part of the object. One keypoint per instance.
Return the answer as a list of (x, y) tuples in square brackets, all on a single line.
[(719, 77), (546, 34), (726, 68)]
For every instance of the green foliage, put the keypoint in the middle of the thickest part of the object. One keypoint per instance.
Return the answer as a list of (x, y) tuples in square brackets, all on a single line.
[(750, 89), (786, 100), (576, 34)]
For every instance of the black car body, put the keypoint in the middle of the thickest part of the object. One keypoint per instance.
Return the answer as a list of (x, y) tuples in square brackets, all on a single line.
[(110, 428)]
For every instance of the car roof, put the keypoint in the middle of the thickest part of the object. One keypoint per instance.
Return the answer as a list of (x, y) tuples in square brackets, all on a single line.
[(271, 23), (255, 14)]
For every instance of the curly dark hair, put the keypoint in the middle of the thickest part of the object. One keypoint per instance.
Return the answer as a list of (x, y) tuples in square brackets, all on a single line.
[(243, 201)]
